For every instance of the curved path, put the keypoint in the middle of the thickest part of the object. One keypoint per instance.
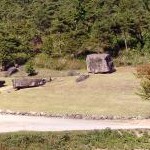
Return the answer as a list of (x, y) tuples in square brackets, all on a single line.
[(10, 123)]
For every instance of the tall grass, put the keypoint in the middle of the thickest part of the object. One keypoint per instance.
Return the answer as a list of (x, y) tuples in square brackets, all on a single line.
[(45, 61), (132, 58)]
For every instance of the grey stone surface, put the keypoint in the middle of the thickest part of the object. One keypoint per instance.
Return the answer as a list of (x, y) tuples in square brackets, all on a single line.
[(82, 77), (27, 83), (99, 63)]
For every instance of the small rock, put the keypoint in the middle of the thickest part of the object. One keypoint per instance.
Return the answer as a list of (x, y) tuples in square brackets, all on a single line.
[(33, 113), (78, 116), (82, 77)]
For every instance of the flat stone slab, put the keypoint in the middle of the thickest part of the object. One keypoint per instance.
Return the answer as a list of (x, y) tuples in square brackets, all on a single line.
[(27, 83)]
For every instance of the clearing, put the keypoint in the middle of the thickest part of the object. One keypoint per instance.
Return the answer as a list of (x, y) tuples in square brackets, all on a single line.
[(101, 94)]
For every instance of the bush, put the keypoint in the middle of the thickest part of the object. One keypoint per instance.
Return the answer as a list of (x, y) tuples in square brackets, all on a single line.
[(29, 68), (20, 58), (144, 91), (42, 61), (143, 71)]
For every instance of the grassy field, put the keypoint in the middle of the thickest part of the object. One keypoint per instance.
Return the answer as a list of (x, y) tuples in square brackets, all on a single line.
[(84, 140), (101, 94)]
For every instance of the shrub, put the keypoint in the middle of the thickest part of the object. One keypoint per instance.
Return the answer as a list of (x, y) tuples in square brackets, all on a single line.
[(144, 91), (143, 71), (20, 58), (42, 61), (29, 68)]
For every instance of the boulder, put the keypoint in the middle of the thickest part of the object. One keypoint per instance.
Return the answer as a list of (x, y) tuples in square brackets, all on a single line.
[(2, 83), (99, 63), (27, 83)]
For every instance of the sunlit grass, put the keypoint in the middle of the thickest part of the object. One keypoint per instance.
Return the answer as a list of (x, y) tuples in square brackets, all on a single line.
[(101, 94)]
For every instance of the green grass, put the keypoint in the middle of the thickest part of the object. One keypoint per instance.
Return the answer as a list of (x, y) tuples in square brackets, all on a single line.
[(101, 94), (84, 140)]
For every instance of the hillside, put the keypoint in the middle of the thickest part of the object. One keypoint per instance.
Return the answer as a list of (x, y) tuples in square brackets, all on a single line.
[(72, 28)]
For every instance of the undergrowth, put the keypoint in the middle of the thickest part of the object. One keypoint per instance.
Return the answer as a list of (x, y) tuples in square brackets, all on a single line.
[(84, 140), (60, 63), (132, 58), (143, 72)]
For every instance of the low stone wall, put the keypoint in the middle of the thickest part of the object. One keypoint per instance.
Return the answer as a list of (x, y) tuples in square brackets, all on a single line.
[(72, 116)]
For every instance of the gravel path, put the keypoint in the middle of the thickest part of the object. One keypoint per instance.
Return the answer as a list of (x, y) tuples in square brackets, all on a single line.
[(10, 123)]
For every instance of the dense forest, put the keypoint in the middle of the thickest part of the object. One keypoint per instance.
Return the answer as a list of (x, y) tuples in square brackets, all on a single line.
[(60, 28)]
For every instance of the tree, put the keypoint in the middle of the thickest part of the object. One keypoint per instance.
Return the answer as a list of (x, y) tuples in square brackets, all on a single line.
[(69, 27)]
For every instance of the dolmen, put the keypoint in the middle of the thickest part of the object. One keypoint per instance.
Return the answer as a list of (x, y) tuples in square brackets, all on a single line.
[(2, 83), (27, 83), (99, 63)]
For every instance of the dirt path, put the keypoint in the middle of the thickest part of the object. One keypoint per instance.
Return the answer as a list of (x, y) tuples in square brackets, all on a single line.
[(10, 123)]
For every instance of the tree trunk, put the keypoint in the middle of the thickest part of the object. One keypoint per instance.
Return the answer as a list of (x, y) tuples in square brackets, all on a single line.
[(125, 41)]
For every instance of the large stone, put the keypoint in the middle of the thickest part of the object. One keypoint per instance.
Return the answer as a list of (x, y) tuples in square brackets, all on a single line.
[(99, 63), (27, 83)]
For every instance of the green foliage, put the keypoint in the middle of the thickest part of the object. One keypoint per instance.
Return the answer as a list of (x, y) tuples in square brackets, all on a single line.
[(84, 140), (144, 91), (48, 45), (143, 72), (29, 68), (69, 27), (20, 58)]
